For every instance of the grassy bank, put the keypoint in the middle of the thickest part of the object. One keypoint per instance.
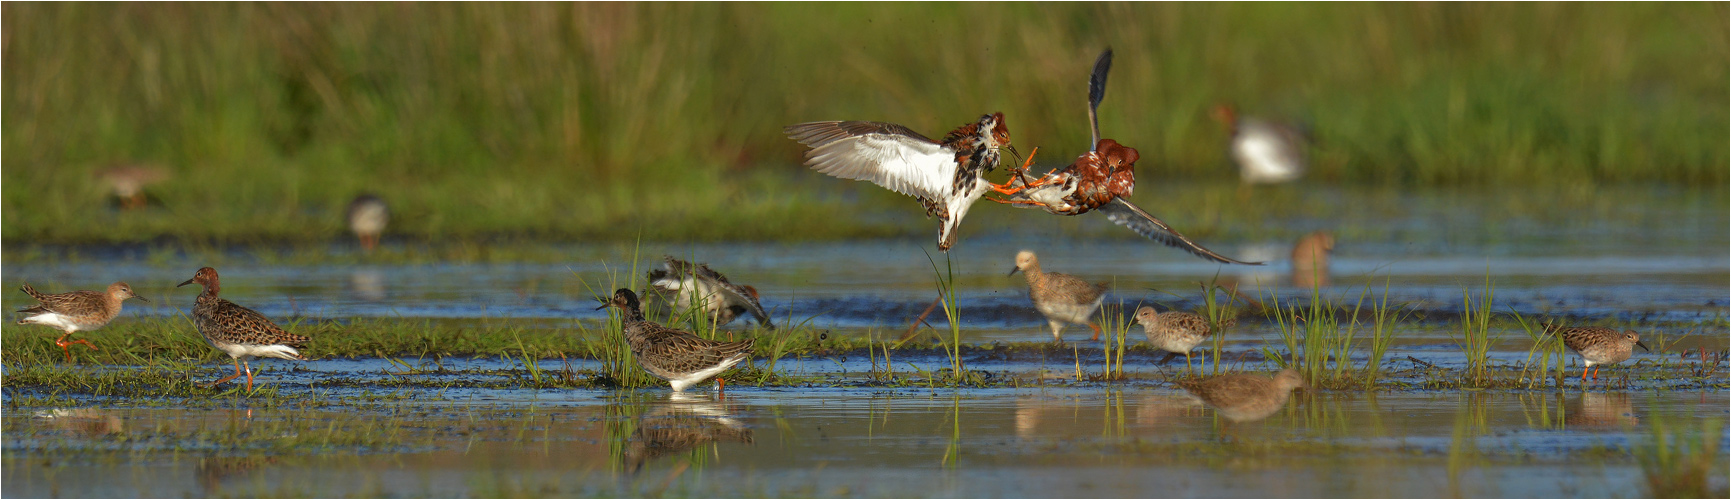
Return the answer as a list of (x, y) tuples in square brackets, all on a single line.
[(576, 120)]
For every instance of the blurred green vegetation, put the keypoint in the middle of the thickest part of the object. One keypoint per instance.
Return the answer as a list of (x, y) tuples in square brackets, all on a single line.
[(664, 120)]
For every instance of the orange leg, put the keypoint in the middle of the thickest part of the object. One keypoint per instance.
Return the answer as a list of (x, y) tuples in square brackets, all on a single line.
[(1096, 331), (1583, 375), (65, 345), (230, 377), (1005, 187), (1595, 374), (720, 386), (248, 377)]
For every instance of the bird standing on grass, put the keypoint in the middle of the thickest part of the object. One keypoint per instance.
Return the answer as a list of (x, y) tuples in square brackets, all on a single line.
[(237, 331), (75, 311)]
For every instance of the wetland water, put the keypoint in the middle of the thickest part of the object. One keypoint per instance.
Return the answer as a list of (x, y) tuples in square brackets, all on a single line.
[(472, 427)]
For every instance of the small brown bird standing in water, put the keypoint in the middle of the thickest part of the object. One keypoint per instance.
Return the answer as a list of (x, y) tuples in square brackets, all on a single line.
[(1310, 260), (368, 215), (1598, 345), (1062, 298)]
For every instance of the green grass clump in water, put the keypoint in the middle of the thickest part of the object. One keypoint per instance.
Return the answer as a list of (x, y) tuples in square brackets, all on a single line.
[(1475, 336), (601, 114), (1678, 461)]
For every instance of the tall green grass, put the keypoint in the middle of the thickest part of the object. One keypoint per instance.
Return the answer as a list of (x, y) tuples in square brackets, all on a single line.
[(585, 119), (1475, 337)]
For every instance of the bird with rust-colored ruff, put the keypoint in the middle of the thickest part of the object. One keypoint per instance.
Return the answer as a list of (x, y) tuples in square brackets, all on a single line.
[(75, 311), (1598, 345), (947, 176), (681, 358), (1061, 298), (1244, 397), (1100, 180), (237, 331)]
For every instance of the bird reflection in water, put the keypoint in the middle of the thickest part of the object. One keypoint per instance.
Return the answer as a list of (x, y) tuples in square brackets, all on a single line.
[(678, 424)]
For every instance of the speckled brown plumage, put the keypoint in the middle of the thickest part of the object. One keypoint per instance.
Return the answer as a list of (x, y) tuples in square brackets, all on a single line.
[(1061, 298), (1598, 345), (1176, 332), (237, 331), (1244, 397), (75, 311), (679, 357)]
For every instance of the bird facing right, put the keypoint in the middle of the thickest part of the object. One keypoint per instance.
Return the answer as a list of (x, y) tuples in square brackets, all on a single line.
[(1244, 397), (1061, 298), (678, 285), (74, 311), (1598, 345)]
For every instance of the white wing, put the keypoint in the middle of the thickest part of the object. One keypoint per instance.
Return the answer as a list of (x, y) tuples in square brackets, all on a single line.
[(1125, 214), (886, 154)]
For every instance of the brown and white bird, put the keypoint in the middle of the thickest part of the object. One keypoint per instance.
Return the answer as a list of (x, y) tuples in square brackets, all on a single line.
[(1175, 331), (678, 285), (947, 176), (76, 311), (237, 331), (1061, 298), (368, 215), (1266, 152), (1598, 345), (1310, 259), (1244, 397), (679, 357), (1101, 179), (127, 182)]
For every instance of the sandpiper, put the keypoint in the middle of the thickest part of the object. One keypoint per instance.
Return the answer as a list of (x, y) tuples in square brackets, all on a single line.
[(946, 176), (367, 218), (1176, 332), (1060, 297), (1244, 397), (1101, 179), (127, 182), (240, 332), (1598, 345), (1266, 152), (1310, 260), (679, 357), (74, 311), (679, 284)]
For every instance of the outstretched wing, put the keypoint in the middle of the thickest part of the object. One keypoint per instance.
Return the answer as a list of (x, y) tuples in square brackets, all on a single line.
[(886, 154), (1097, 92), (1126, 214), (735, 294)]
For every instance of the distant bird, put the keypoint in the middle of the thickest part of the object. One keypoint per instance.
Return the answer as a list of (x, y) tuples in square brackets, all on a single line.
[(1598, 345), (1244, 397), (679, 357), (1062, 298), (1266, 152), (237, 331), (678, 284), (75, 311), (1176, 332), (946, 176), (127, 182), (367, 218), (1310, 260), (1101, 179)]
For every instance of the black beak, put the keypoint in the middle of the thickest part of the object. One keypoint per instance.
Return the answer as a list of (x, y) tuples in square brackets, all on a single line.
[(604, 305), (1013, 151), (1643, 346), (141, 297), (1013, 270), (184, 283)]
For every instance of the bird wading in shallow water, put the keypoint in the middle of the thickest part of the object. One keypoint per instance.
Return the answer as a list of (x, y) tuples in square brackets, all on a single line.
[(1266, 152), (1598, 345), (237, 331), (75, 311), (1101, 179), (947, 176), (681, 358), (1061, 298)]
